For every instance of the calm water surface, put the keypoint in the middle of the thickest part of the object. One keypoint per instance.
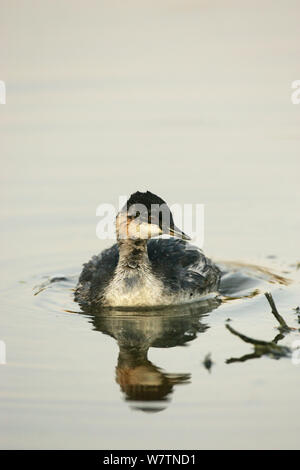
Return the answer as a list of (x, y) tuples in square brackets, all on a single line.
[(190, 100)]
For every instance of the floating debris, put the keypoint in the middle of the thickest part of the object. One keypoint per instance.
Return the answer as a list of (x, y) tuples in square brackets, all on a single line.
[(208, 363)]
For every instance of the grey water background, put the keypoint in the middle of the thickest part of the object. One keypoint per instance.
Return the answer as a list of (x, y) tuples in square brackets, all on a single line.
[(191, 100)]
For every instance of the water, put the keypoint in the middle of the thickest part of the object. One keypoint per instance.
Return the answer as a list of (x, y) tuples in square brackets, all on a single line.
[(190, 101)]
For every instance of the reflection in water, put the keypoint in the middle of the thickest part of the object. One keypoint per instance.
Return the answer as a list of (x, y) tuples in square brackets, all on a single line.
[(144, 384), (261, 348)]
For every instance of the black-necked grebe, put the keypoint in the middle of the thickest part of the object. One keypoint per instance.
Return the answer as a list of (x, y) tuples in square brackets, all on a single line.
[(142, 272)]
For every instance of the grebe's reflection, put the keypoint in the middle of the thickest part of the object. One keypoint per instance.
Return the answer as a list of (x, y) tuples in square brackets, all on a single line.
[(144, 384)]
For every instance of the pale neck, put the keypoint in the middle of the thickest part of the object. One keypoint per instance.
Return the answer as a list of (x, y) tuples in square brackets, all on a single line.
[(132, 253)]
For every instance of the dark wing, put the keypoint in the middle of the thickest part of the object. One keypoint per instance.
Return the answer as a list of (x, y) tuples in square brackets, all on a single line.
[(183, 266), (95, 276)]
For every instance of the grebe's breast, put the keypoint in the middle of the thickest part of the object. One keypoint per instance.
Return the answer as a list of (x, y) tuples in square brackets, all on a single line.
[(134, 287)]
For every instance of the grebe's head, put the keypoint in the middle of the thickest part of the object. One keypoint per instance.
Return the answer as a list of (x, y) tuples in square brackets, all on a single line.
[(146, 215)]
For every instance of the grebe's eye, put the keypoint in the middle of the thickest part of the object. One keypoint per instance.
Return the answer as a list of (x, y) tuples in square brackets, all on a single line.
[(133, 216)]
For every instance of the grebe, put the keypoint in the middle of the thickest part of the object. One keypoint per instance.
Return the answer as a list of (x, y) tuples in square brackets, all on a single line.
[(141, 271)]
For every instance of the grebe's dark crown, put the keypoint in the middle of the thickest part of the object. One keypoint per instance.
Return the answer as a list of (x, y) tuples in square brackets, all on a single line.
[(156, 211), (147, 199)]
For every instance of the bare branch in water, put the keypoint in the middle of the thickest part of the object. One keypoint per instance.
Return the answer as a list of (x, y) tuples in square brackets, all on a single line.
[(261, 348), (245, 338), (244, 358), (279, 318)]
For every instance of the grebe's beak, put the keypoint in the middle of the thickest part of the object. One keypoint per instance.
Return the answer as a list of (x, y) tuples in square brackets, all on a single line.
[(176, 232)]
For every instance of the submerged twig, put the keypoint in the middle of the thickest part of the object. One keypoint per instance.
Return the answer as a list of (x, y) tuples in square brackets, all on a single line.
[(283, 325), (245, 338), (244, 358), (270, 348)]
